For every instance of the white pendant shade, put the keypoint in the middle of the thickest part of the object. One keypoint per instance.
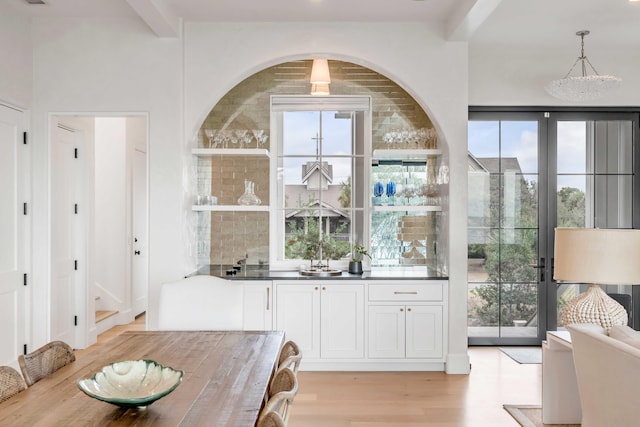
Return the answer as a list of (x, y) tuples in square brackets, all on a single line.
[(320, 72), (320, 89)]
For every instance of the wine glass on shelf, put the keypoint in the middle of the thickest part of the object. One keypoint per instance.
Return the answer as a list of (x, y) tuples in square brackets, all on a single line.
[(378, 190), (261, 137), (210, 134), (391, 191), (241, 134)]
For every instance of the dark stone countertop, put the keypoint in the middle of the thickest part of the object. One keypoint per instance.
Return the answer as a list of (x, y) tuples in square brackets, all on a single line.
[(256, 273)]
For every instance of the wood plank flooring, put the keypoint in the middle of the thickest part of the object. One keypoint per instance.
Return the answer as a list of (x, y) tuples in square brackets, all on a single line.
[(408, 399)]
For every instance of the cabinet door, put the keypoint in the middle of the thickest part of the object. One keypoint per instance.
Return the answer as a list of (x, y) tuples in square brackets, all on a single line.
[(298, 315), (342, 321), (424, 331), (386, 331), (258, 306)]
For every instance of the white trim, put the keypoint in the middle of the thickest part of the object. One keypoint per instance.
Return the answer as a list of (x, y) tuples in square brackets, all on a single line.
[(281, 103)]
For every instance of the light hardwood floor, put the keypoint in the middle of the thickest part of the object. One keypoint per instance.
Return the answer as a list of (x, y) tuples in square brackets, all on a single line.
[(408, 399)]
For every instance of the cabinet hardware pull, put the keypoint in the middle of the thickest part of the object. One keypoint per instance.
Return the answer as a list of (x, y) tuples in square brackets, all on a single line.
[(402, 309), (316, 288), (324, 289), (408, 309), (405, 293), (267, 298)]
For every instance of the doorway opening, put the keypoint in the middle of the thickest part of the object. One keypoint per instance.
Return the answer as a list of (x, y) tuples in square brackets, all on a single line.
[(99, 200)]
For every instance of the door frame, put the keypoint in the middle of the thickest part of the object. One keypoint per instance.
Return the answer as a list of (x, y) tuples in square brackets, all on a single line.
[(87, 333)]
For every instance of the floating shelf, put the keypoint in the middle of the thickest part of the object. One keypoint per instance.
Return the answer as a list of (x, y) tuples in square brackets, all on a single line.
[(411, 208), (230, 208), (404, 154), (252, 152)]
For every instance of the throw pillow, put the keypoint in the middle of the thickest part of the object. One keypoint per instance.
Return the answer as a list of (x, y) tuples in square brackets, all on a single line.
[(626, 335)]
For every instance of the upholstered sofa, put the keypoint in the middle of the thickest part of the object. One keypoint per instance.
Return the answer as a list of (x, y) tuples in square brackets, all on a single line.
[(608, 374)]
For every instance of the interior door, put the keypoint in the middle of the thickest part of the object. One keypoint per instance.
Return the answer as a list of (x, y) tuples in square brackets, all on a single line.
[(140, 213), (67, 262), (13, 229)]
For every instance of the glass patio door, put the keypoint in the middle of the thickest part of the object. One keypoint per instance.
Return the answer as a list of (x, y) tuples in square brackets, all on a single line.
[(506, 225), (528, 173), (592, 174)]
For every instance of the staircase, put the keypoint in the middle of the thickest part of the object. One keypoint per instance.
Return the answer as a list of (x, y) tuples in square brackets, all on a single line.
[(105, 319)]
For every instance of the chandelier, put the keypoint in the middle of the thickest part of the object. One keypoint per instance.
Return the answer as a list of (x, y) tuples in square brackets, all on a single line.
[(585, 87)]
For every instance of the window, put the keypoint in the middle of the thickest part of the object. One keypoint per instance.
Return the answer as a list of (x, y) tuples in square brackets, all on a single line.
[(318, 163)]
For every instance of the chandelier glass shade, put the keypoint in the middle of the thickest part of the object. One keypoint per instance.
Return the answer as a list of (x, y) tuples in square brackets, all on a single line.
[(584, 87)]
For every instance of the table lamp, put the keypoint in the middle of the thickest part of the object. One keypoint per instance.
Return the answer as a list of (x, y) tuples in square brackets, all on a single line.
[(596, 256)]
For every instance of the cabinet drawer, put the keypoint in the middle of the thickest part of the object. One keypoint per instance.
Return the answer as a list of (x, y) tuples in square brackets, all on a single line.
[(408, 292)]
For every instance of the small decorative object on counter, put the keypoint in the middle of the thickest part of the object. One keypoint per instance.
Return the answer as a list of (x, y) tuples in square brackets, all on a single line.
[(378, 190), (249, 198), (355, 265)]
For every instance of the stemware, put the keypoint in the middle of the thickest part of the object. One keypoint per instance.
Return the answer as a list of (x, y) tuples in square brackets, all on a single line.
[(391, 191), (241, 135), (378, 190), (210, 133)]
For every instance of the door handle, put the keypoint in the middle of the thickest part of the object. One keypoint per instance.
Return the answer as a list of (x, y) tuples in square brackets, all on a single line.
[(540, 266)]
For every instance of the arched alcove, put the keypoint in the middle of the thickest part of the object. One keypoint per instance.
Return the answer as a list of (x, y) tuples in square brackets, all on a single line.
[(397, 121)]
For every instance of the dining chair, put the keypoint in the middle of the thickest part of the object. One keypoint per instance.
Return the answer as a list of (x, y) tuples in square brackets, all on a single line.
[(270, 419), (11, 383), (45, 360), (282, 389), (290, 356)]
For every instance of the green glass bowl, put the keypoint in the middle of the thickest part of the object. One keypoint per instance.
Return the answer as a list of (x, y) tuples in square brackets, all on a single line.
[(132, 383)]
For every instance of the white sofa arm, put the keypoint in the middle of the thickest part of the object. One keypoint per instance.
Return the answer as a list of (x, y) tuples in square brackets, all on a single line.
[(608, 374)]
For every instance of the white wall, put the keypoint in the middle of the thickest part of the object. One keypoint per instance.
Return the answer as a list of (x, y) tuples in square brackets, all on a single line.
[(15, 66), (105, 66), (111, 67), (219, 56), (506, 76)]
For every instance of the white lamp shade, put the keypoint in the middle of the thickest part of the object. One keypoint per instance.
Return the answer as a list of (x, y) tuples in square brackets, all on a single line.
[(597, 255), (320, 89), (320, 72)]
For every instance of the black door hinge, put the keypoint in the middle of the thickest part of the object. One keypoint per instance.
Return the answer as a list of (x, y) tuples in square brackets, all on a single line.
[(24, 350), (24, 279), (75, 320), (75, 264), (75, 153), (75, 209), (24, 208), (24, 138)]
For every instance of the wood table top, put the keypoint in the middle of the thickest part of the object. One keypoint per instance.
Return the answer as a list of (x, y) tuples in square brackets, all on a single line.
[(226, 374)]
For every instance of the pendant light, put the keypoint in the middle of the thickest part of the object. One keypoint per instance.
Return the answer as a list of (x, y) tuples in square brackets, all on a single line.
[(585, 87)]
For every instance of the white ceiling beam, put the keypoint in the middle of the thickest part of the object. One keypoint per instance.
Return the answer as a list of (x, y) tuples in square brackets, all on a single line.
[(157, 16), (467, 17)]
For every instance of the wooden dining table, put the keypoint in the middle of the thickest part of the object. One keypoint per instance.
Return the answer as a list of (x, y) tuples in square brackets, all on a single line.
[(226, 375)]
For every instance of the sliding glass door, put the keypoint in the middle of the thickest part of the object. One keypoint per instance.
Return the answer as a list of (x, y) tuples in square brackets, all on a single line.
[(528, 173)]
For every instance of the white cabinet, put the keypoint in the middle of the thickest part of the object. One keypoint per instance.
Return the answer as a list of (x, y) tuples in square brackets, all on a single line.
[(326, 320), (405, 331), (298, 315), (257, 305), (411, 329)]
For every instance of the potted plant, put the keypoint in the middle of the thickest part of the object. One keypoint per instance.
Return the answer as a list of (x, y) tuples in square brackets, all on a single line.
[(355, 265)]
